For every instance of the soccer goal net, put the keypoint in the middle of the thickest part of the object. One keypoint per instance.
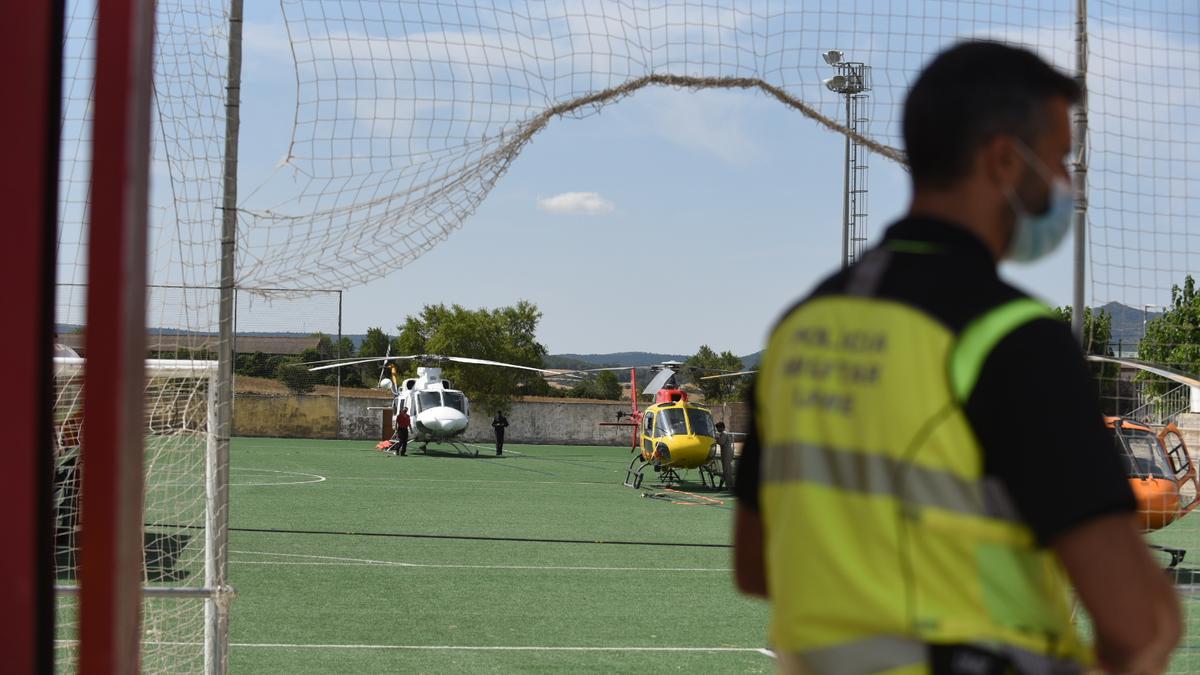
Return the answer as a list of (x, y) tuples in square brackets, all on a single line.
[(183, 520)]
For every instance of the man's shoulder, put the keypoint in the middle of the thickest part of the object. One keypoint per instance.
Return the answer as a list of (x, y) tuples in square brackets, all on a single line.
[(953, 292)]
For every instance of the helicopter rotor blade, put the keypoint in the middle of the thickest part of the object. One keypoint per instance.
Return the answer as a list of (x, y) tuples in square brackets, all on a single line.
[(383, 367), (485, 362), (737, 374), (659, 380), (354, 362)]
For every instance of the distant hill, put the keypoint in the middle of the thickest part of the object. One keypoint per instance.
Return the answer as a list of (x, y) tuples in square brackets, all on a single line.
[(613, 359), (1127, 323), (628, 359)]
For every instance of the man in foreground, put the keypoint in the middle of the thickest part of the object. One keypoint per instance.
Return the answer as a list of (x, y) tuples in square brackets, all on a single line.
[(928, 468)]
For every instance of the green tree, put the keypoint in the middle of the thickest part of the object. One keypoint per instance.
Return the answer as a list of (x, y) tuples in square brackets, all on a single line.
[(294, 374), (257, 364), (324, 350), (506, 334), (606, 386), (1097, 336), (351, 375), (375, 343), (707, 361), (1173, 338)]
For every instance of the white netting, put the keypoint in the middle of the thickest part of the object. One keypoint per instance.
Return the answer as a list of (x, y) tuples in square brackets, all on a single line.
[(1144, 141), (188, 120), (174, 552), (274, 311), (409, 111)]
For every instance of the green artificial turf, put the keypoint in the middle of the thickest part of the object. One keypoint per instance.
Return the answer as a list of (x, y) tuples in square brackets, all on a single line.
[(346, 560)]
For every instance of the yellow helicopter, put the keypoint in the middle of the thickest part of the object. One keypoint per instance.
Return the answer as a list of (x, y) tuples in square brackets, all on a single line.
[(671, 434)]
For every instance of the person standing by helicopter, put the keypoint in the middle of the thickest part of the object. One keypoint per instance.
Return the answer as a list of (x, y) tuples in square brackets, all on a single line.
[(499, 424), (725, 444), (403, 424), (927, 456)]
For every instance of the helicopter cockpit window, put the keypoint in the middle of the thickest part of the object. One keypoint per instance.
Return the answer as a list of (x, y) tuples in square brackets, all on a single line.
[(429, 399), (1144, 455), (701, 422), (649, 424), (454, 399), (672, 421)]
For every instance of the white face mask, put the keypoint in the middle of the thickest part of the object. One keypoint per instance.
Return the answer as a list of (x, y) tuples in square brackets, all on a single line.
[(1035, 236)]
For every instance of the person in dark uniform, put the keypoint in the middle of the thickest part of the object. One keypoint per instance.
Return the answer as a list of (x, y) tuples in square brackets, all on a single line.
[(927, 474), (725, 443), (499, 422)]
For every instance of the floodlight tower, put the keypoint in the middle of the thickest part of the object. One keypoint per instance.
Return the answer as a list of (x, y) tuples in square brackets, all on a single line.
[(853, 80)]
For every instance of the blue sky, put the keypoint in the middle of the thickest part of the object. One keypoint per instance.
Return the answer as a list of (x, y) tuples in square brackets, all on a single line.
[(719, 209), (710, 211)]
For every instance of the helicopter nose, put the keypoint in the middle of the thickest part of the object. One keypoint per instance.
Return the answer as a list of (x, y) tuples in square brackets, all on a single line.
[(445, 420)]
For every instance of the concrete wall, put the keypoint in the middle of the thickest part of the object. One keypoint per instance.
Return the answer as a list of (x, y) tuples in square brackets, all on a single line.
[(565, 422), (554, 423), (357, 423), (285, 416)]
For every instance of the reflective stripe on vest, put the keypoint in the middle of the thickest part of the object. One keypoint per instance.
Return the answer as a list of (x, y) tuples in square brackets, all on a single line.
[(880, 475), (982, 335), (880, 526)]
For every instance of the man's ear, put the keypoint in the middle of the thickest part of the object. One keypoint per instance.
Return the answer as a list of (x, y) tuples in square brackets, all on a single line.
[(999, 161)]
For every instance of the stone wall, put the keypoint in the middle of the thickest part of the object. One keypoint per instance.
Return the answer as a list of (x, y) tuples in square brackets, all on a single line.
[(555, 422), (286, 416), (356, 422)]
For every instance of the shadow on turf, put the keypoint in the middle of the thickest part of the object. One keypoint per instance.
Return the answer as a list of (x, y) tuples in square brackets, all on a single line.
[(161, 554)]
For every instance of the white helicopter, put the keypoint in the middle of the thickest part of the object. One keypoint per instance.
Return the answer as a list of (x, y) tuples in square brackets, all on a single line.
[(439, 412)]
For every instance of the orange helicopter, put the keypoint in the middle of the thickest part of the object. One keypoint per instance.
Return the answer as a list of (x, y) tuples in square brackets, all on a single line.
[(1162, 475), (1161, 471)]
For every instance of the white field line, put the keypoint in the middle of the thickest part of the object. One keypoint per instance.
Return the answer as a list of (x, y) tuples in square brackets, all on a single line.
[(493, 449), (316, 478), (469, 648), (405, 479), (338, 561)]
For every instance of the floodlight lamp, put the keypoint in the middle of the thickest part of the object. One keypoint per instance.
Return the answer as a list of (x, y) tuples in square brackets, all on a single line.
[(833, 56), (837, 84)]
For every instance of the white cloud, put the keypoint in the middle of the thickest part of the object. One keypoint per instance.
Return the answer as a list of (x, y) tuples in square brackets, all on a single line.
[(586, 203)]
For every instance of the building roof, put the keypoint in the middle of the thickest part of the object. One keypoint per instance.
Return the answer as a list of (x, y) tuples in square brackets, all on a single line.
[(201, 342)]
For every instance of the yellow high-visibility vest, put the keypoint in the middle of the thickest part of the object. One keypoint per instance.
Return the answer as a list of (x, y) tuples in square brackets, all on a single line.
[(882, 533)]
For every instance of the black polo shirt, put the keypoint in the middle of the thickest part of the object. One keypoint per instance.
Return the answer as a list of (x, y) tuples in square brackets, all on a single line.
[(1035, 408)]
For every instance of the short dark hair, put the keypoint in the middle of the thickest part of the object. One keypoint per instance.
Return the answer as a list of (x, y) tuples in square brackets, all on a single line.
[(969, 94)]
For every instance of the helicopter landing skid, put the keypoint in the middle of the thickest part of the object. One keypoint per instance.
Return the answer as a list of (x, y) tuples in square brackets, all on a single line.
[(668, 477), (1177, 555), (633, 477), (711, 478), (460, 448)]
